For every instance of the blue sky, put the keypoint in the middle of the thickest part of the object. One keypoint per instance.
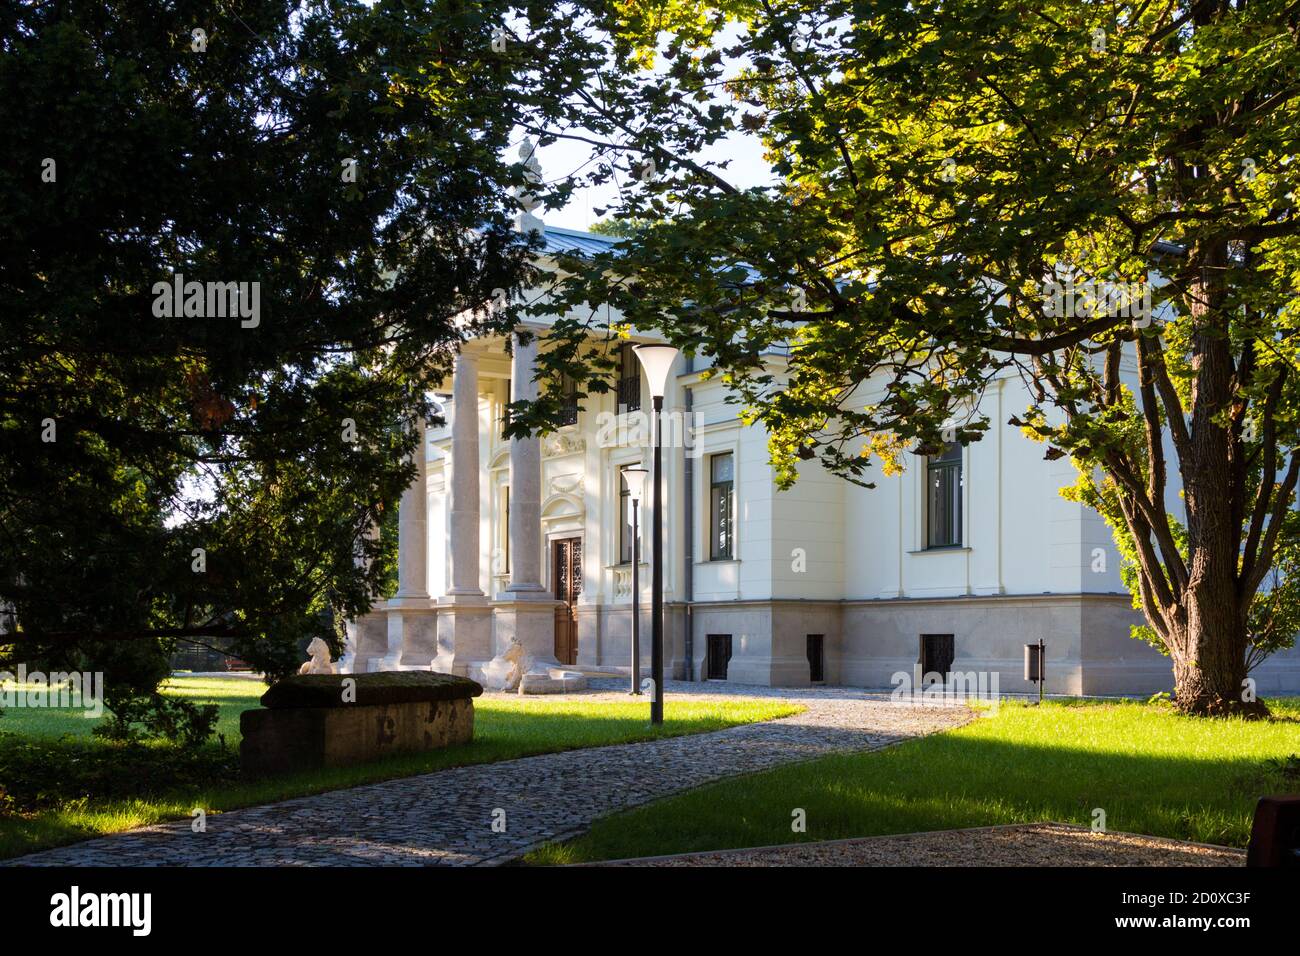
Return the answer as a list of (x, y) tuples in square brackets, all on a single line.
[(563, 158), (748, 168)]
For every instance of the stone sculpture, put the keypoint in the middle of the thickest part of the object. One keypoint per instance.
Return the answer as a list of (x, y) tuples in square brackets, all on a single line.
[(320, 659), (505, 670)]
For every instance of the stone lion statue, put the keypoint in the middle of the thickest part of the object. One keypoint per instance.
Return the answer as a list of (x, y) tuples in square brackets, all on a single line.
[(505, 670), (520, 660), (320, 659)]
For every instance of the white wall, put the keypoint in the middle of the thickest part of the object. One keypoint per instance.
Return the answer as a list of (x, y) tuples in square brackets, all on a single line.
[(1020, 537)]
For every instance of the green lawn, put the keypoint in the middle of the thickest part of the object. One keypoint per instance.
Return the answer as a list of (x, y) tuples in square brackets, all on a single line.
[(68, 785), (1150, 770), (232, 695)]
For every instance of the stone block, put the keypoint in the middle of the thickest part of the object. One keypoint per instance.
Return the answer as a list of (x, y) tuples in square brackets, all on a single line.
[(308, 725), (552, 680)]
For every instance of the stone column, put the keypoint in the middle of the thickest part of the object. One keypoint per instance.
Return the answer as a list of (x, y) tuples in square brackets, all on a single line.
[(413, 530), (412, 639), (528, 614), (464, 479), (525, 486), (367, 636), (464, 623)]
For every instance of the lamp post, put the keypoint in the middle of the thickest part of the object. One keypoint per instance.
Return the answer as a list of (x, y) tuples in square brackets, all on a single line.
[(657, 361), (635, 479)]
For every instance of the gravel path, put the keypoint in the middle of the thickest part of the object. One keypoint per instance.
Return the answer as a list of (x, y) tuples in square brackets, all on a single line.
[(1039, 844), (494, 813)]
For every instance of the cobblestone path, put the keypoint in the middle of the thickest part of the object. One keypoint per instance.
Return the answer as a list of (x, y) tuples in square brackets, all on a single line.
[(446, 818)]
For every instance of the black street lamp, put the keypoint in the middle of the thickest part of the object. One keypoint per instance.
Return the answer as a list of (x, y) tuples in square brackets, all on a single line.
[(657, 360), (635, 478)]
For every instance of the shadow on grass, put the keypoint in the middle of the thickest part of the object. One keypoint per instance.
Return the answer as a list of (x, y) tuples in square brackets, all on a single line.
[(69, 788), (1146, 770)]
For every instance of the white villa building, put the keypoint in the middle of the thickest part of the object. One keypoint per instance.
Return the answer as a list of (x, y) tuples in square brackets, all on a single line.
[(954, 565)]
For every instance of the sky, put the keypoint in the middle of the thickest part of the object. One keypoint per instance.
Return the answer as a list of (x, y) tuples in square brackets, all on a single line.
[(748, 168), (562, 158)]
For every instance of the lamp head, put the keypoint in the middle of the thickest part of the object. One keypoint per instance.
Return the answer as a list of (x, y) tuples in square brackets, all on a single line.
[(657, 360), (635, 478)]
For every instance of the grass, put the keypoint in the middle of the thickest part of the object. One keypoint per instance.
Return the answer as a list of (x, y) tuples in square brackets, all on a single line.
[(232, 695), (1149, 769), (148, 784)]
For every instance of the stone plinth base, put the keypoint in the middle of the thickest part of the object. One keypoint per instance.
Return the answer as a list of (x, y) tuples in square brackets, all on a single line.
[(464, 637), (412, 636), (369, 641), (531, 623)]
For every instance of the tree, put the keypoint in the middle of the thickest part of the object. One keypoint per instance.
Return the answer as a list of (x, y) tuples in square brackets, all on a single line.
[(189, 468), (979, 187)]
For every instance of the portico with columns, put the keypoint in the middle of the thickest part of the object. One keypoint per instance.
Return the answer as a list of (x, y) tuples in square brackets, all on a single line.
[(484, 522), (506, 540)]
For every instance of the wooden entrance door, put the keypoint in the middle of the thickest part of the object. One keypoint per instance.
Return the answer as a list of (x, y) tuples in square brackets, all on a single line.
[(566, 573)]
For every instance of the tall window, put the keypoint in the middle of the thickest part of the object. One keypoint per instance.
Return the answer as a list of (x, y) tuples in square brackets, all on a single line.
[(943, 498), (505, 406), (626, 544), (505, 529), (722, 506), (629, 379), (569, 396)]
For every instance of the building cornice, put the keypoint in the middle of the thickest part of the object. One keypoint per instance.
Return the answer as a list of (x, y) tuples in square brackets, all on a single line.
[(1106, 597)]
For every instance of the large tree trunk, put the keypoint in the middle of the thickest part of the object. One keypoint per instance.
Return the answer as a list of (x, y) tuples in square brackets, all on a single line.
[(1209, 639), (1209, 657)]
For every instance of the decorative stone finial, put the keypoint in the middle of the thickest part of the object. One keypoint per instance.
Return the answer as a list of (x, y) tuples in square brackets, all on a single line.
[(526, 221)]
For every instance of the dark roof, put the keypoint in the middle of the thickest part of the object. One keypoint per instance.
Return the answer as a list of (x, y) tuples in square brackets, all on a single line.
[(574, 241)]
